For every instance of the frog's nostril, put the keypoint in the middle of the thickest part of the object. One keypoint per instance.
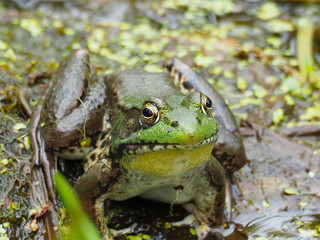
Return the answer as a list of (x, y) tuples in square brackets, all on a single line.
[(175, 124), (199, 120)]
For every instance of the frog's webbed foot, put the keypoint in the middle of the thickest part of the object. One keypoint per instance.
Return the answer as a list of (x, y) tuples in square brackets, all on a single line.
[(110, 233), (191, 221), (117, 233), (201, 229), (107, 234), (229, 198), (187, 221)]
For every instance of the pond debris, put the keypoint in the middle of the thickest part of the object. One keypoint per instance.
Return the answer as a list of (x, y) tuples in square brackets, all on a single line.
[(193, 232), (290, 191), (8, 98), (32, 25), (3, 45), (34, 226), (305, 34), (18, 126), (268, 11), (3, 232), (278, 116), (312, 112), (280, 25), (139, 236)]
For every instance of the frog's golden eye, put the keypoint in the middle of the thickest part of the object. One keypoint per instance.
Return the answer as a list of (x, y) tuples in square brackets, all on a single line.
[(206, 104), (149, 114)]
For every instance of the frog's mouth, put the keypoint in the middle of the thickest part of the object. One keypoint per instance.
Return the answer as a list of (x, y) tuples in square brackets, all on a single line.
[(141, 148)]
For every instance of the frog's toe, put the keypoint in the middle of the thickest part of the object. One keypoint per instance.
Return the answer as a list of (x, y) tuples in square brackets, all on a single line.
[(121, 232), (107, 236), (201, 229), (187, 221), (229, 198)]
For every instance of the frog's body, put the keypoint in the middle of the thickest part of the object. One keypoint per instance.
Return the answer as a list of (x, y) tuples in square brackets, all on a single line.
[(147, 139), (166, 157)]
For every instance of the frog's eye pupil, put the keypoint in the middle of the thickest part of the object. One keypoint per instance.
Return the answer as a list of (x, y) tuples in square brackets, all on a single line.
[(147, 112), (208, 103), (149, 115)]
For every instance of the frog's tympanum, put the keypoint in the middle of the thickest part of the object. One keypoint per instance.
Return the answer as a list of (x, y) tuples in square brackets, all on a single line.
[(140, 136)]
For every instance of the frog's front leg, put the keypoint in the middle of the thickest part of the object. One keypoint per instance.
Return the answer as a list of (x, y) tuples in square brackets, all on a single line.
[(208, 206), (210, 198), (210, 195), (93, 188)]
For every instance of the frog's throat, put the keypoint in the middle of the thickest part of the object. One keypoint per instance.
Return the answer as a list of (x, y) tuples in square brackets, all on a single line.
[(137, 149), (167, 163)]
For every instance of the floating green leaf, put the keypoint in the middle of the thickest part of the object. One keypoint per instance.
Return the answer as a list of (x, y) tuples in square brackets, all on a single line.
[(259, 91), (268, 11), (32, 25), (280, 25), (312, 112), (228, 74), (265, 204), (290, 191), (193, 231), (3, 233), (290, 83), (274, 41), (18, 126), (219, 7), (3, 45), (9, 53), (139, 236), (278, 116), (289, 100)]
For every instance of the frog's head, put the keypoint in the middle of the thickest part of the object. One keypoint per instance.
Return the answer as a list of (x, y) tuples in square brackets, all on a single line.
[(157, 125), (178, 122)]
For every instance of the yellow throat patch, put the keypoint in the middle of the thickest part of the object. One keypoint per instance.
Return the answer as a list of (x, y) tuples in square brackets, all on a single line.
[(166, 163)]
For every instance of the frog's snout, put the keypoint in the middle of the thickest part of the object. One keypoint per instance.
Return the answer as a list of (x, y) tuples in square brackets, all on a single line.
[(187, 129), (176, 124)]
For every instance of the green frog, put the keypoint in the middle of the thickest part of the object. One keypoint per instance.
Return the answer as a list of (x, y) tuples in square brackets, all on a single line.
[(139, 136)]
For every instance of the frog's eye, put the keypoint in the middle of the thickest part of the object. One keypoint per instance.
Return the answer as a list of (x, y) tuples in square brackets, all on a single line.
[(206, 104), (149, 114)]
